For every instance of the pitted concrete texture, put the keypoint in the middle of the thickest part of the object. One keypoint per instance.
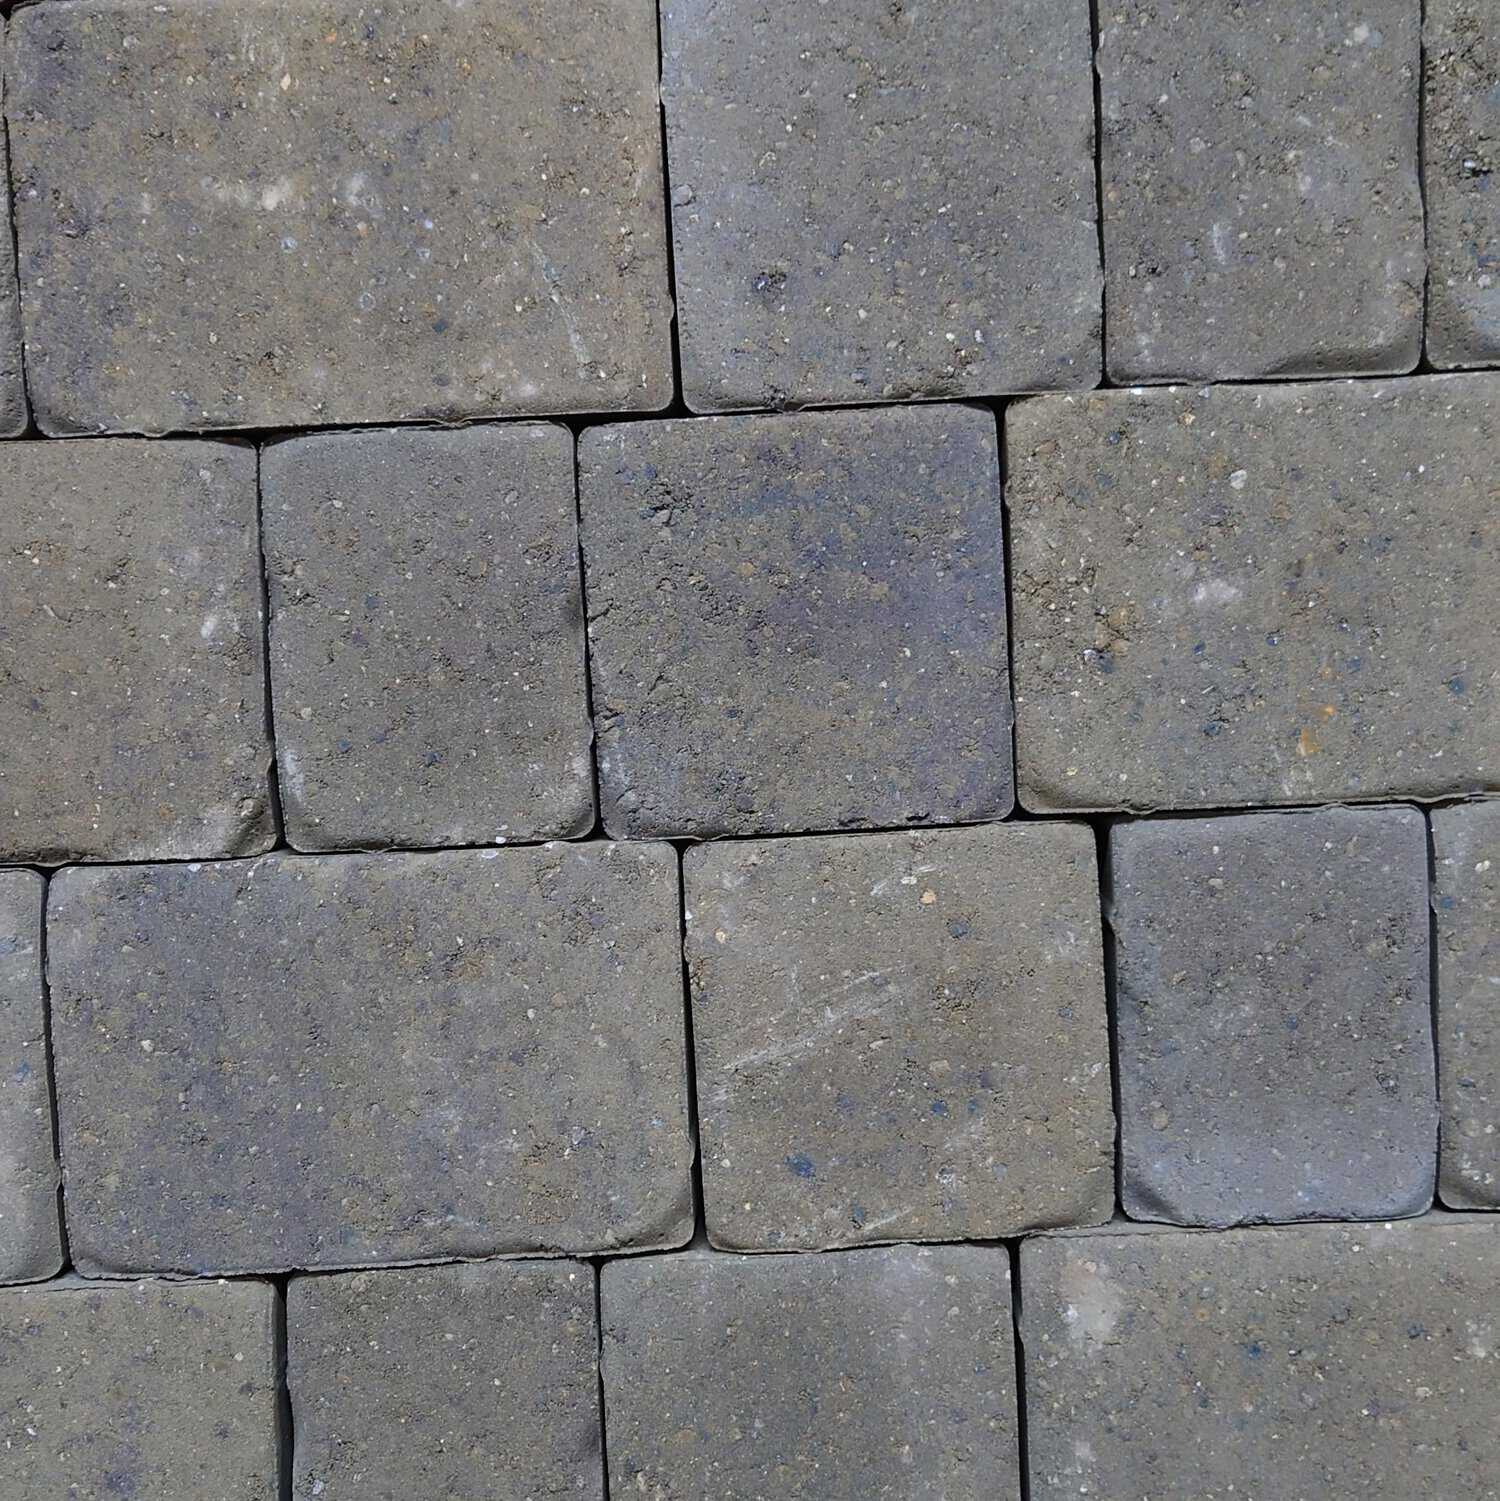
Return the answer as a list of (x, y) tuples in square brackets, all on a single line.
[(427, 650), (797, 622), (132, 659), (1256, 594), (1316, 1363), (30, 1233), (347, 1060), (1466, 899), (154, 1391), (447, 1381), (874, 1375), (248, 214), (1273, 1016), (900, 1036), (1262, 209), (879, 202), (14, 414)]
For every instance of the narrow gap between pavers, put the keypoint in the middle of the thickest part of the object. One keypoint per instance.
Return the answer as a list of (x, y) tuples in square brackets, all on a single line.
[(62, 1222)]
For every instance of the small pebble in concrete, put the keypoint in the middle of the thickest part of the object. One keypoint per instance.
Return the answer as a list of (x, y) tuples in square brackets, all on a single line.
[(427, 651), (446, 1381), (874, 1375), (797, 623), (900, 1036), (1274, 1017)]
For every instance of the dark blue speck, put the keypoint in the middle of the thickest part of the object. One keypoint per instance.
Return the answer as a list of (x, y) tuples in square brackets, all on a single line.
[(801, 1164)]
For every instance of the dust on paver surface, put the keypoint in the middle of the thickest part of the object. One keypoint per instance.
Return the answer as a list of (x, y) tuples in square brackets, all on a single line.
[(427, 647), (152, 1390), (1337, 1362), (871, 1375), (446, 1381), (14, 413), (1259, 181), (797, 622), (248, 214), (1255, 594), (900, 1036), (872, 203), (132, 664), (343, 1060), (1466, 899)]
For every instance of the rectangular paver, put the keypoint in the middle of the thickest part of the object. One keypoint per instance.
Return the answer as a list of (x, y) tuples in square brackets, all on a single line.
[(1262, 209), (14, 414), (873, 1375), (878, 202), (1274, 1017), (253, 214), (797, 622), (900, 1036), (1315, 1363), (348, 1060), (448, 1381), (132, 658), (1256, 594), (427, 647)]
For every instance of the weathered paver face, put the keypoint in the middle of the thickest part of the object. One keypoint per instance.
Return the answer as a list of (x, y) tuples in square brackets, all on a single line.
[(254, 214), (797, 622), (874, 202), (900, 1036), (448, 1381), (1336, 1362), (1466, 851), (339, 1061), (1259, 594), (1273, 1015), (1262, 211), (427, 651), (132, 660), (872, 1375), (153, 1390), (13, 409)]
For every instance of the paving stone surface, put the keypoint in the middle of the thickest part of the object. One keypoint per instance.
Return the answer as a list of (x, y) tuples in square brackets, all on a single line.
[(427, 640), (446, 1381), (14, 414), (1466, 899), (900, 1036), (1259, 180), (797, 622), (154, 1390), (250, 214), (872, 1375), (1249, 595), (1273, 1016), (1337, 1362), (30, 1236), (132, 661), (347, 1060)]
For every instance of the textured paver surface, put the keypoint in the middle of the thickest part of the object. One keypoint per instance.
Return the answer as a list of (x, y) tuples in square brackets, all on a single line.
[(13, 411), (1255, 594), (867, 1374), (900, 1036), (343, 1060), (427, 653)]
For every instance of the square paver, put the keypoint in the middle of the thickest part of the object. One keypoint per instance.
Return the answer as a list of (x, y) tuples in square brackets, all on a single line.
[(14, 415), (797, 622), (347, 1060), (446, 1381), (132, 654), (156, 1391), (427, 646), (1250, 595), (1466, 899), (900, 1036), (874, 1375), (1336, 1362), (879, 202), (249, 214), (1262, 209), (1272, 1000), (30, 1233)]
